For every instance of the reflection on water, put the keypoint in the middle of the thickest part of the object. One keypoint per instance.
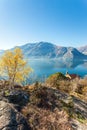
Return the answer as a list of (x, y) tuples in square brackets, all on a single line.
[(45, 67)]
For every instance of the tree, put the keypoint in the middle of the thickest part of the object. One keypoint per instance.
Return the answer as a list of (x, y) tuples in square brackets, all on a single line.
[(14, 67)]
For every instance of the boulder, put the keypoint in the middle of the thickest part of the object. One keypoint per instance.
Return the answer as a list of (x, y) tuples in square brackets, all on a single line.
[(18, 97), (10, 118)]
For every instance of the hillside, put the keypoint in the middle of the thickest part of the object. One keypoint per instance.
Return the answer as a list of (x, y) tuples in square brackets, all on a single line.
[(49, 50), (39, 50), (83, 49), (41, 107)]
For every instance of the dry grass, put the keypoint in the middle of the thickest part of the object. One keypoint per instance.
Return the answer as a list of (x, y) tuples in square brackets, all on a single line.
[(43, 119), (77, 86)]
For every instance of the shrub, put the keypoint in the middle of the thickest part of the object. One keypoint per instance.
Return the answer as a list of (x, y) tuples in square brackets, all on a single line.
[(43, 119), (54, 79)]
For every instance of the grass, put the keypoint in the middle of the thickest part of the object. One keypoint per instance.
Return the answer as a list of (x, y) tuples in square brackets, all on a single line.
[(50, 105)]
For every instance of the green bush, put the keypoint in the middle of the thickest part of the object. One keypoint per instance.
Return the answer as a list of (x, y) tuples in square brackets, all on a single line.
[(54, 79)]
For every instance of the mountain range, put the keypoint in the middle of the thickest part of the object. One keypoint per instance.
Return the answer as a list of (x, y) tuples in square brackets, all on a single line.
[(49, 50), (83, 49)]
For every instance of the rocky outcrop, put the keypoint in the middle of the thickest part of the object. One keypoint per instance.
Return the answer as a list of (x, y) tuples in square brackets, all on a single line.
[(18, 97), (44, 108), (10, 118), (51, 99)]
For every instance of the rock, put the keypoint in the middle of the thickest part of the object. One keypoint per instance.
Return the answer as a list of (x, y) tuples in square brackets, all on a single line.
[(78, 125), (18, 97), (50, 99), (10, 118)]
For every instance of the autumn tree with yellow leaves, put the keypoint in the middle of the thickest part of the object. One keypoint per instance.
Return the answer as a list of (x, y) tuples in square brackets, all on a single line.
[(14, 67)]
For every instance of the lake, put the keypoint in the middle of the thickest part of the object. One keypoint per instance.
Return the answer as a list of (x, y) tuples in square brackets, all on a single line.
[(42, 68)]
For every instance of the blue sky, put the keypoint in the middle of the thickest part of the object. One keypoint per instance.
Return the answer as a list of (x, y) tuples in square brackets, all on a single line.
[(62, 22)]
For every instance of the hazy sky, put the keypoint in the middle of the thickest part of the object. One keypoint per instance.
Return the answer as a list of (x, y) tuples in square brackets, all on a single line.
[(63, 22)]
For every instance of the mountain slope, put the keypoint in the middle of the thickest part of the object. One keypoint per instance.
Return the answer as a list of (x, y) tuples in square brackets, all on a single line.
[(73, 53), (49, 50), (40, 49), (83, 49)]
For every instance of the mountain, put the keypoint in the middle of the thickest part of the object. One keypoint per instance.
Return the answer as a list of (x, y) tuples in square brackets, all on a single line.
[(73, 54), (49, 50), (83, 49), (41, 49)]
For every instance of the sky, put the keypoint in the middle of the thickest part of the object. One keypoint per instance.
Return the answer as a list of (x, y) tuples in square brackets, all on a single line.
[(62, 22)]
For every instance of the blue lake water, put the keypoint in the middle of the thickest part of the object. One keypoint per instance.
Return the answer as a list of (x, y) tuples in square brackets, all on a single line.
[(42, 68)]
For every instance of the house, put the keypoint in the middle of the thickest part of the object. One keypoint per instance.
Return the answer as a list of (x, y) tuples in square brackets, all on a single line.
[(72, 76)]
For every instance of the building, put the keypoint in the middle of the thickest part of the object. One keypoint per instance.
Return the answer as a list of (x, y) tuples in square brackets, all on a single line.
[(72, 76)]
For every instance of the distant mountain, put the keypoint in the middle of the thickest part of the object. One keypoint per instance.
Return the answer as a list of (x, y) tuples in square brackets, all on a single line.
[(41, 49), (49, 50), (73, 53), (83, 49)]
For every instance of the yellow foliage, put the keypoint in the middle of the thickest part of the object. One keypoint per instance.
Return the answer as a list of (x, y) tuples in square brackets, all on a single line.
[(13, 65)]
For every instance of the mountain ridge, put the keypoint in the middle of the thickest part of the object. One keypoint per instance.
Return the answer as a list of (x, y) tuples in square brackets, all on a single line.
[(83, 49), (50, 50)]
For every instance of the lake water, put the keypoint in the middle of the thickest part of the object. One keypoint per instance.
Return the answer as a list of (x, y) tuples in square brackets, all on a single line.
[(42, 68)]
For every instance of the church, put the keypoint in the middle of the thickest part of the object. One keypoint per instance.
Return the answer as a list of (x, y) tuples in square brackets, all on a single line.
[(72, 76)]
